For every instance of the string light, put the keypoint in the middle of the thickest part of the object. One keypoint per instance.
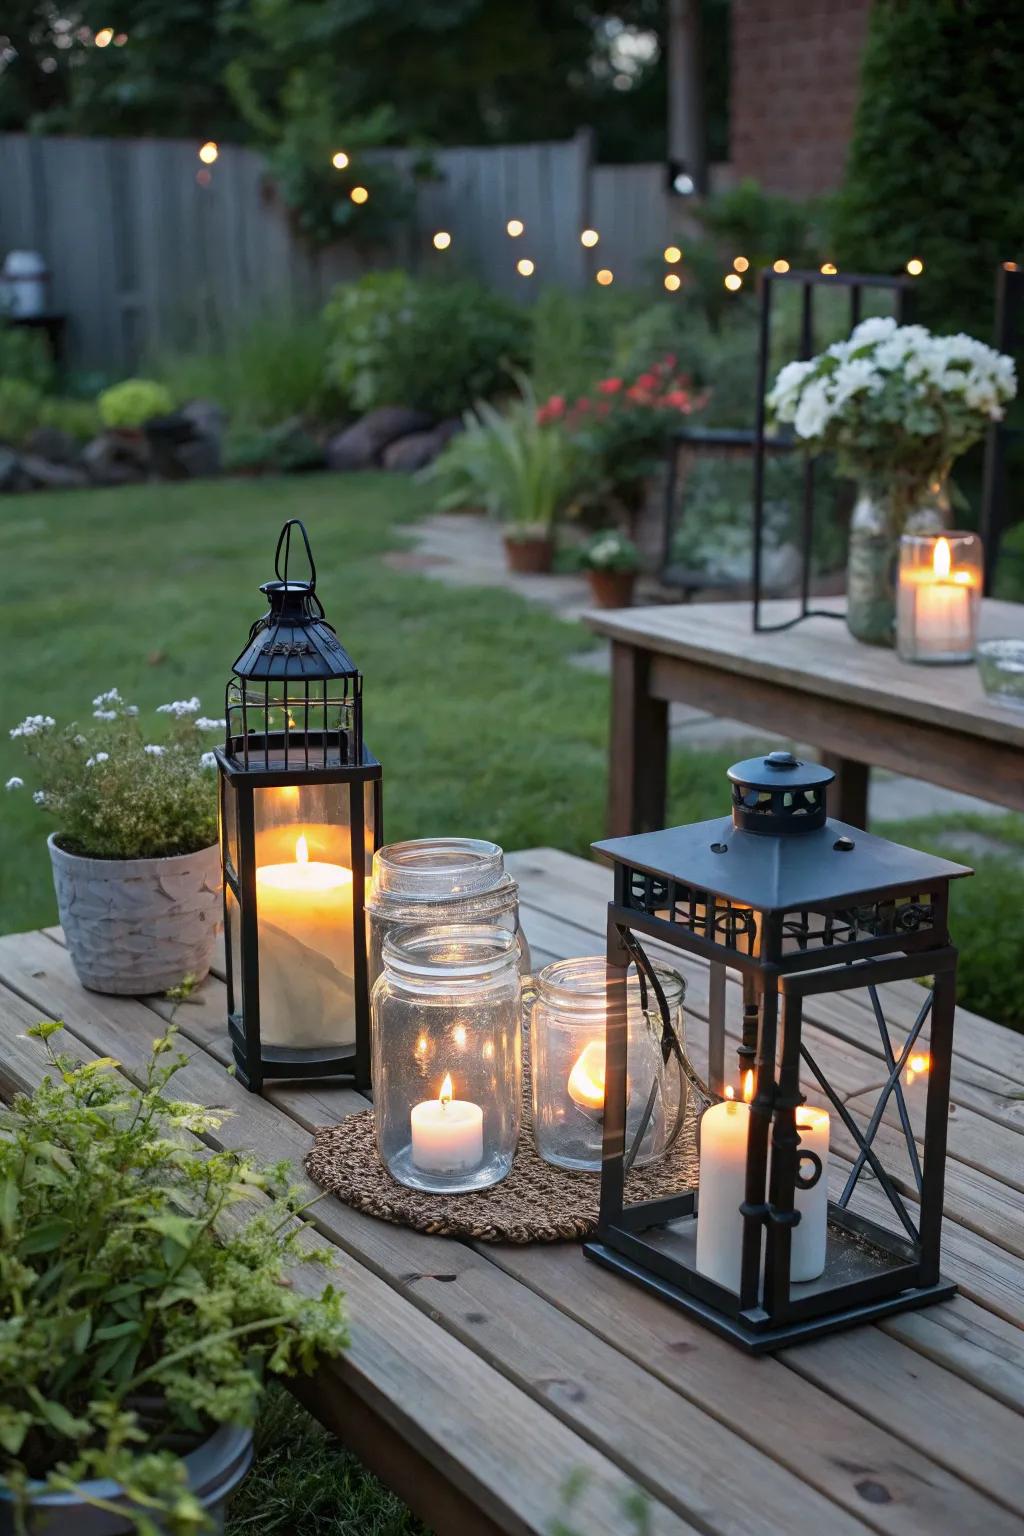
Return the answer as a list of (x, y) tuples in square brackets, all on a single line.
[(589, 238), (1010, 266), (524, 266), (740, 263), (781, 265), (359, 195), (605, 277), (442, 240), (515, 228), (104, 36), (673, 281), (672, 254), (915, 266), (339, 160), (829, 269), (209, 152), (733, 281)]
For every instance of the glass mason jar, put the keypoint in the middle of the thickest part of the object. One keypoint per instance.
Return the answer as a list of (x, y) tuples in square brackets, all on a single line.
[(877, 522), (567, 1064), (436, 882), (446, 1018), (940, 592)]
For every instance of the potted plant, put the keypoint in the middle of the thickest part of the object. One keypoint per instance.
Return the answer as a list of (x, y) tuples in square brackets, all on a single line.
[(611, 562), (898, 406), (141, 1305), (520, 467), (135, 859), (126, 407)]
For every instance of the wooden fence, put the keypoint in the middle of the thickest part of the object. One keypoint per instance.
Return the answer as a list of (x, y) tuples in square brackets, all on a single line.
[(144, 256)]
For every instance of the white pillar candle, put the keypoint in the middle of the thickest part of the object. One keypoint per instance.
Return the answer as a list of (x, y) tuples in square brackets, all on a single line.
[(723, 1179), (807, 1250), (447, 1133), (304, 912)]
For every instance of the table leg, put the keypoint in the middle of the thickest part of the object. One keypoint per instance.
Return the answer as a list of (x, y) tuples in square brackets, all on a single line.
[(848, 795), (638, 746)]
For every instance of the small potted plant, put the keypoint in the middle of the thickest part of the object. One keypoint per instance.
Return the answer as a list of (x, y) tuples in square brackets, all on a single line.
[(611, 562), (141, 1306), (126, 407), (135, 859)]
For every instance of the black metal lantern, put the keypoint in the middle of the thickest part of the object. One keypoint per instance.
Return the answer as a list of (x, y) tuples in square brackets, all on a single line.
[(300, 814), (802, 907)]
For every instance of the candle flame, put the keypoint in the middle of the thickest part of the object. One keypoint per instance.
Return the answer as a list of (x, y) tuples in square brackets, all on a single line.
[(301, 850), (942, 560), (748, 1087), (586, 1080), (730, 1092), (920, 1063), (445, 1095)]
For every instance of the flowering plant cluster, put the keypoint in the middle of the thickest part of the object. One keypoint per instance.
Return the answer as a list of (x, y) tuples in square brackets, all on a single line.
[(622, 426), (611, 550), (116, 795), (895, 403)]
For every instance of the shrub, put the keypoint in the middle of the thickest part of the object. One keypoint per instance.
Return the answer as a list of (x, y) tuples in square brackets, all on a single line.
[(19, 409), (438, 346), (25, 355), (573, 336), (934, 167), (285, 449), (133, 402), (274, 369), (141, 1307), (78, 418), (115, 795)]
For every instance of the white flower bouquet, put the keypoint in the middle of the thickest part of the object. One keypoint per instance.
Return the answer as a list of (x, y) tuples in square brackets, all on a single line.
[(896, 404)]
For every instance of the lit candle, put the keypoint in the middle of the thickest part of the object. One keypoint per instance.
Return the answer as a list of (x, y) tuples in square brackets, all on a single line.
[(937, 607), (723, 1187), (447, 1133), (586, 1080), (304, 911)]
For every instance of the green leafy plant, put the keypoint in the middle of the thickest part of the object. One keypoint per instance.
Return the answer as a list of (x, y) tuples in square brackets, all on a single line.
[(116, 795), (143, 1299), (80, 419), (25, 355), (20, 404), (133, 402), (610, 550), (518, 466), (284, 449), (434, 345), (273, 369)]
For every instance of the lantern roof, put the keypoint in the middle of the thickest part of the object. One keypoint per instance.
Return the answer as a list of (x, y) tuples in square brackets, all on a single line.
[(293, 641), (778, 851)]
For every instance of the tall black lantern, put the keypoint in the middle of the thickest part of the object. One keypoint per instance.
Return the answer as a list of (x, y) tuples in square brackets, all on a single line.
[(300, 812), (802, 907)]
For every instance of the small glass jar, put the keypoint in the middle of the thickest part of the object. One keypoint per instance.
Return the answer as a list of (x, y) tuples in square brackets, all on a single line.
[(567, 1063), (939, 596), (446, 1016), (436, 882)]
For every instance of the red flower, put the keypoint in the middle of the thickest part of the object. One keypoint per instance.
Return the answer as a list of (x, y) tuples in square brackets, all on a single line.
[(669, 360), (679, 399), (610, 386), (552, 410), (648, 380), (640, 395), (582, 405)]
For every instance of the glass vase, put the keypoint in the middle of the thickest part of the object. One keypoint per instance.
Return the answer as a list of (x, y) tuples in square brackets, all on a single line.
[(872, 573), (446, 1019)]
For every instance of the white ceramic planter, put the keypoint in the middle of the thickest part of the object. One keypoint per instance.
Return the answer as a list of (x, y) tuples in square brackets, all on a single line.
[(135, 926)]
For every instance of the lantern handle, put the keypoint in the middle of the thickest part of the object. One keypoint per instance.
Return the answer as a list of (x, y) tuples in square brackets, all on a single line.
[(286, 540)]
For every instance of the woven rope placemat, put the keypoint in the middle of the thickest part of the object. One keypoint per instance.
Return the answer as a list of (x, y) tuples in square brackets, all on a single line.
[(536, 1203)]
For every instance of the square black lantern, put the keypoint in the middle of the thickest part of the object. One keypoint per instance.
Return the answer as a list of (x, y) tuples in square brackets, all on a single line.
[(300, 817), (801, 906)]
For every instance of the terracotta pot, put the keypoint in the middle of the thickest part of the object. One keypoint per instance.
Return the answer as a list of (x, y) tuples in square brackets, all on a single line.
[(533, 556), (612, 589)]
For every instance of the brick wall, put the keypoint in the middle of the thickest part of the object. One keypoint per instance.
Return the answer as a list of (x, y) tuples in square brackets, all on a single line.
[(795, 70)]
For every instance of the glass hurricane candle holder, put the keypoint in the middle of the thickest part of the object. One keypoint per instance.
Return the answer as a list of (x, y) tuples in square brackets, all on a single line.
[(939, 593), (437, 882), (567, 1063), (447, 1056)]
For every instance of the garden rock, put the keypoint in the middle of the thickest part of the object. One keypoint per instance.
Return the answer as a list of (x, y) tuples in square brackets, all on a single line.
[(186, 444), (53, 477), (11, 475), (361, 445), (113, 459), (416, 450), (53, 444)]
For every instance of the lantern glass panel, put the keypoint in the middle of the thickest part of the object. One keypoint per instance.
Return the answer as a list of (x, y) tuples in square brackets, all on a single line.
[(567, 1063), (229, 828), (233, 917)]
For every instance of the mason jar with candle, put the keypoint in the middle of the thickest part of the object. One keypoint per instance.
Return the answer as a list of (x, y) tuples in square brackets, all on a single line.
[(447, 1056), (437, 882), (940, 585), (568, 1009)]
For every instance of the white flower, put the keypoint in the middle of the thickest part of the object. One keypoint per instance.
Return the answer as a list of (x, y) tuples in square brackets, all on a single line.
[(851, 378), (208, 760), (786, 389), (877, 328), (814, 411), (204, 723), (112, 696), (15, 783), (179, 708), (39, 797), (79, 741), (131, 709), (104, 714), (154, 749), (33, 725), (96, 759)]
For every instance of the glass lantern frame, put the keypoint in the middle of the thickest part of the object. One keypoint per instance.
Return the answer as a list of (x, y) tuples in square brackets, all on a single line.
[(848, 940)]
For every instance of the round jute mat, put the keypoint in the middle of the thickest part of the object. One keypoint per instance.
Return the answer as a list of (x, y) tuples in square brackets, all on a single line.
[(536, 1203)]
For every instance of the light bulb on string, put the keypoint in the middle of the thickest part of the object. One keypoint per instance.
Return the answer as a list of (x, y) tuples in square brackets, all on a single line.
[(780, 266), (915, 266), (514, 228), (103, 37), (442, 240), (589, 238), (740, 263), (359, 195), (829, 269), (673, 281), (605, 277), (733, 282), (339, 160), (672, 254), (208, 152), (524, 266)]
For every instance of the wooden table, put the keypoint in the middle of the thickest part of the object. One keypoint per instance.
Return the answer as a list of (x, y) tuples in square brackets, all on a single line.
[(480, 1377), (858, 704)]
